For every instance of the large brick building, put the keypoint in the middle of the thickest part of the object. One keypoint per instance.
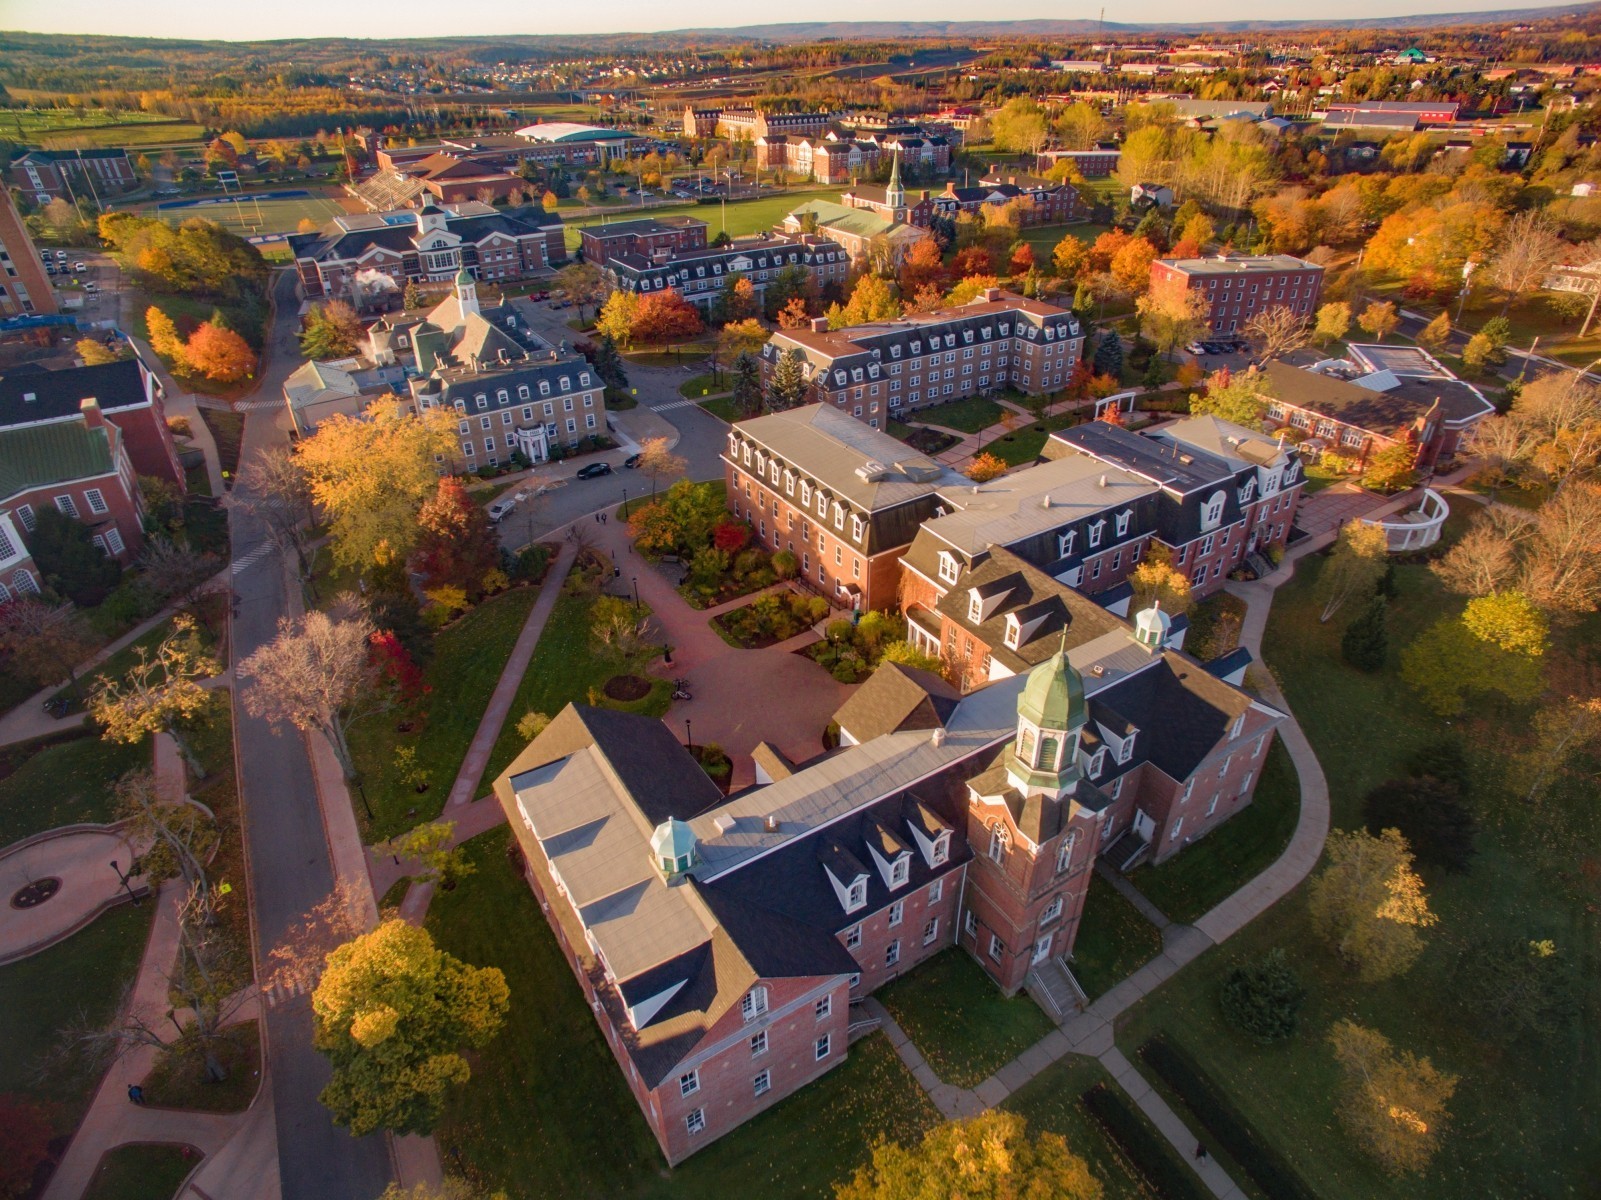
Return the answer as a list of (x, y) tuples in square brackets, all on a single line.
[(1380, 396), (125, 392), (748, 124), (24, 283), (371, 257), (89, 175), (998, 340), (1238, 286), (656, 239), (700, 275), (723, 943)]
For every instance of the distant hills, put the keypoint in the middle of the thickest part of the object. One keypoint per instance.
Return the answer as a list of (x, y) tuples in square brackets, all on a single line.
[(811, 31)]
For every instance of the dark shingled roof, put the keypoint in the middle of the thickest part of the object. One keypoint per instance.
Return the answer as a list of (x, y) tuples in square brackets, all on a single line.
[(663, 779), (1383, 413), (59, 394), (897, 697), (1182, 712)]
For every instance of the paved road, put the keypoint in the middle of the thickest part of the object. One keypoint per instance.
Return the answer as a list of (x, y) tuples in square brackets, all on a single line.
[(289, 864)]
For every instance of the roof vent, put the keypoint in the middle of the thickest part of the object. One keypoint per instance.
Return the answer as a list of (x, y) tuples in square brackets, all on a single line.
[(1098, 670), (724, 822), (29, 397), (770, 823), (1045, 500), (1101, 482), (937, 738)]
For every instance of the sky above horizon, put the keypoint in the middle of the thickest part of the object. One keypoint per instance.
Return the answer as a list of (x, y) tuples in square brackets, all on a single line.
[(206, 19)]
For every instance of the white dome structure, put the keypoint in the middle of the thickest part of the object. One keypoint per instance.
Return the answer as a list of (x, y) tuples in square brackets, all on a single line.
[(1151, 627)]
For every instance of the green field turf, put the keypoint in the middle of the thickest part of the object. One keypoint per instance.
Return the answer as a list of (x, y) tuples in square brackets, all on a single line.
[(246, 216), (744, 217)]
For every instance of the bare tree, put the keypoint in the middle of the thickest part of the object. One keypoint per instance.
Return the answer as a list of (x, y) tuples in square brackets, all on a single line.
[(1561, 417), (1560, 732), (1530, 247), (657, 462), (1277, 331), (1504, 447), (273, 487), (1354, 568), (1562, 567), (318, 674), (182, 835), (175, 573), (297, 960), (1486, 559), (45, 642)]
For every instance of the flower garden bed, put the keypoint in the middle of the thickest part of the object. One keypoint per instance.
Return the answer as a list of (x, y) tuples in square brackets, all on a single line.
[(769, 619)]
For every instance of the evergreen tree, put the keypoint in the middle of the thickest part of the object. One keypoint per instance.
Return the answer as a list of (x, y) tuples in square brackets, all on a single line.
[(787, 387), (1263, 999), (1083, 301), (1367, 640), (65, 553), (412, 298), (1109, 355), (747, 385), (609, 365)]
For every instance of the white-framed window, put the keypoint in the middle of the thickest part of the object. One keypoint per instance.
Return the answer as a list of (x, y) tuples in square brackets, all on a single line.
[(97, 501), (1260, 742), (1097, 528), (936, 891), (900, 870), (763, 1083), (892, 953), (689, 1083), (695, 1122), (942, 849), (25, 515), (930, 930), (948, 566), (970, 923), (1123, 519), (758, 1044), (1064, 543), (857, 896), (822, 1046), (996, 948), (853, 936), (753, 1004), (896, 912), (1214, 510), (67, 505), (114, 540), (998, 844), (1053, 910), (823, 1008), (1064, 853), (1177, 826)]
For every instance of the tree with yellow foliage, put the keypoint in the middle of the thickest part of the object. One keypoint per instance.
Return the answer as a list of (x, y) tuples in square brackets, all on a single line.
[(985, 467), (393, 1012), (1369, 902), (1392, 1104), (159, 692), (371, 474), (1158, 581), (163, 337)]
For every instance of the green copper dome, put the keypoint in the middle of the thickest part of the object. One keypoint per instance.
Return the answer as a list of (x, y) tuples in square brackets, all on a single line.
[(464, 276), (1053, 697)]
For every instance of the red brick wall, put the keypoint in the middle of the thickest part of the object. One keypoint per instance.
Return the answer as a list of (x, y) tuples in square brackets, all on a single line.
[(1228, 777), (149, 442), (877, 934), (122, 508)]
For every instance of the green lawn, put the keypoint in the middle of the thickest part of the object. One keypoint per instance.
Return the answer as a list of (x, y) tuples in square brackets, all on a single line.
[(246, 215), (1319, 477), (1526, 1118), (698, 386), (1015, 449), (75, 983), (1050, 1104), (468, 658), (970, 414), (141, 1172), (547, 1113), (117, 665), (723, 408), (743, 217), (563, 670), (49, 786), (1113, 941), (959, 1020), (1212, 869), (180, 1081)]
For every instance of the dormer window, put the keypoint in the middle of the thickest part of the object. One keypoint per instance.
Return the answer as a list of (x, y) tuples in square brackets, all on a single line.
[(1014, 631), (806, 493), (1098, 763), (949, 568), (1123, 519), (975, 609), (544, 387), (1125, 750), (753, 1004), (1214, 511), (1097, 528), (839, 516), (1064, 543), (942, 847), (857, 528), (900, 871), (856, 896)]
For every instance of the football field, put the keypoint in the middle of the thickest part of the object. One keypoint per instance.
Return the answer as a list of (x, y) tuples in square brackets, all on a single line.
[(251, 215)]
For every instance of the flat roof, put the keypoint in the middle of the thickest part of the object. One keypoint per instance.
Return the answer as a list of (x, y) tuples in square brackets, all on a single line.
[(1040, 498), (1239, 264)]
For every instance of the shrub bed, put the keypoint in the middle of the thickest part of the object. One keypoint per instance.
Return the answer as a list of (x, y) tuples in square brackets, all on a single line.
[(1224, 1122), (1145, 1150), (770, 619)]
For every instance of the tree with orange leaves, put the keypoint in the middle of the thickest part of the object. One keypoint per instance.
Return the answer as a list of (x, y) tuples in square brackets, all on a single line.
[(1022, 260), (793, 315), (922, 266), (1105, 248), (219, 354), (665, 317)]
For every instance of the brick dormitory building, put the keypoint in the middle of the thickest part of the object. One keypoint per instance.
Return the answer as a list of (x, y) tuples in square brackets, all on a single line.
[(700, 275), (1239, 286), (871, 371), (875, 525), (723, 943)]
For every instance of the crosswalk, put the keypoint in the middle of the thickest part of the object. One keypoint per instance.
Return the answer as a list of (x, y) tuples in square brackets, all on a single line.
[(257, 405), (672, 405), (251, 557), (282, 993)]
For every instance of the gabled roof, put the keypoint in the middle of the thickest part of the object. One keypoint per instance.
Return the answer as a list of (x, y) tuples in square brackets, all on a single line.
[(38, 455), (897, 697)]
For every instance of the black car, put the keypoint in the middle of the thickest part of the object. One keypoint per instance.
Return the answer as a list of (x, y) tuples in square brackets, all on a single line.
[(631, 461), (594, 470)]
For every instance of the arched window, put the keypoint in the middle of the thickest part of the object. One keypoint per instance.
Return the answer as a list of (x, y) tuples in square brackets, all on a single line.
[(1025, 746), (998, 844), (1048, 750), (1064, 856)]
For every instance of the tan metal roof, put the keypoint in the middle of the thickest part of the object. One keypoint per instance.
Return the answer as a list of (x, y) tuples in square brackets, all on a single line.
[(1039, 498)]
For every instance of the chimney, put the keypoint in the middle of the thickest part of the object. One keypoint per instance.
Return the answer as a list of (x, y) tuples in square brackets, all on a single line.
[(1102, 481), (819, 324), (770, 823), (992, 293), (92, 416)]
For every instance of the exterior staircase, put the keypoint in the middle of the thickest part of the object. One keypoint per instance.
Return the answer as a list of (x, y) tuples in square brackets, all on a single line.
[(862, 1022), (1128, 850), (1055, 990), (1261, 564)]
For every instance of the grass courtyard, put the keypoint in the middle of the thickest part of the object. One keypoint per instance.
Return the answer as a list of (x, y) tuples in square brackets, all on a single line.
[(547, 1113), (739, 218), (1524, 1120), (141, 1172), (960, 1021), (1113, 940), (46, 786)]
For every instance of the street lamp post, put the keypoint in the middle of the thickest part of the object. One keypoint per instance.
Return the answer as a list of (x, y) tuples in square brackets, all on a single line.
[(636, 595), (689, 736), (123, 879), (625, 504)]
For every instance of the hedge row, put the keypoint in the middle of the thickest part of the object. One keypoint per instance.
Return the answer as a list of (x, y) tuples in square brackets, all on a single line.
[(1224, 1122), (1144, 1148)]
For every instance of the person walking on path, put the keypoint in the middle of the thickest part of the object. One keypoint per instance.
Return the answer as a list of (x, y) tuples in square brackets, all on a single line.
[(1200, 1152), (136, 1094)]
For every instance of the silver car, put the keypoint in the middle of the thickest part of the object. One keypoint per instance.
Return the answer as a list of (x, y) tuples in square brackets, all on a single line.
[(500, 508)]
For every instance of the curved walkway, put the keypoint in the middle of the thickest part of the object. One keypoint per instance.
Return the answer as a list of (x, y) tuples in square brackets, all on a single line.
[(80, 857)]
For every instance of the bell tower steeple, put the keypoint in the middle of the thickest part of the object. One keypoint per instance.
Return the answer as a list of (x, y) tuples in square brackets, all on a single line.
[(1050, 712)]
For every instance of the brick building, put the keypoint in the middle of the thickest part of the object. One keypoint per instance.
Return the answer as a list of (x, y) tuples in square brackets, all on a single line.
[(370, 257), (748, 124), (1238, 286), (998, 340), (1429, 112), (834, 159), (1100, 163), (78, 465), (125, 392), (1380, 396), (845, 499), (859, 231), (722, 943), (655, 238), (1223, 492), (1047, 202), (25, 285), (45, 175), (700, 275)]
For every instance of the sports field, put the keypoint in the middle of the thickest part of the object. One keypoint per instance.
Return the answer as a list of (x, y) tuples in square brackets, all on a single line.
[(744, 217), (248, 215)]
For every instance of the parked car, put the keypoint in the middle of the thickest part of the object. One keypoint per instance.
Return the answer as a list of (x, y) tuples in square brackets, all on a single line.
[(1195, 348), (631, 461), (541, 295), (61, 256), (91, 286), (501, 508), (79, 267), (594, 470), (1212, 347)]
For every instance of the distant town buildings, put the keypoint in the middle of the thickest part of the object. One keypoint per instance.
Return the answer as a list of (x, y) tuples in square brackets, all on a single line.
[(748, 124)]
